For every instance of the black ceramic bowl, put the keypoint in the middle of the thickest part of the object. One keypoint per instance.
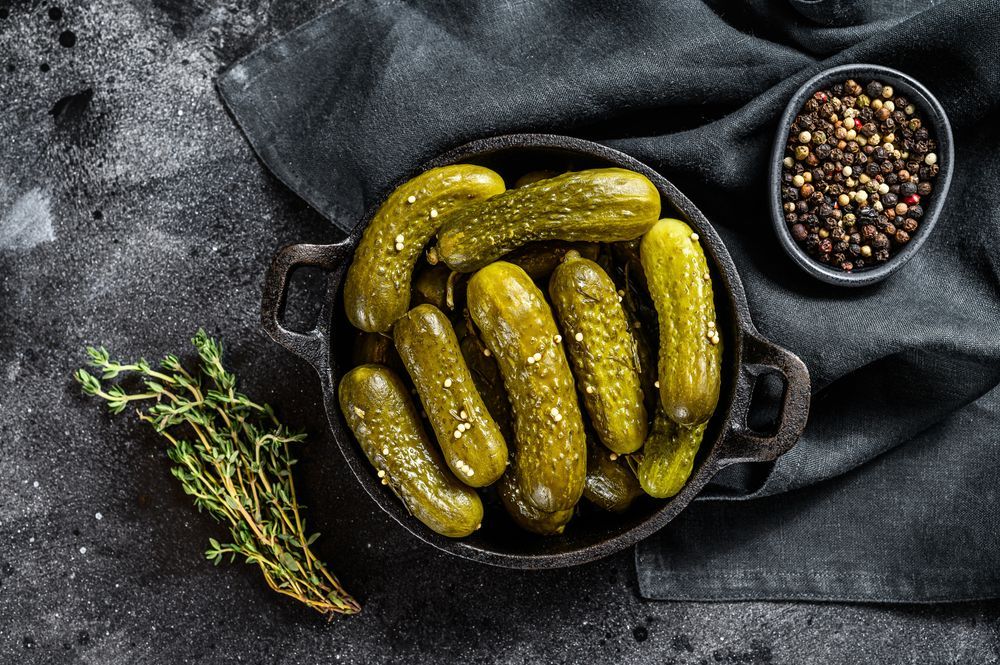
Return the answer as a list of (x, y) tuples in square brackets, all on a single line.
[(589, 536), (929, 108)]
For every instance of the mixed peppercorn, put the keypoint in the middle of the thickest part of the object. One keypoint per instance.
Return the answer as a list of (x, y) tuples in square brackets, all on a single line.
[(859, 166)]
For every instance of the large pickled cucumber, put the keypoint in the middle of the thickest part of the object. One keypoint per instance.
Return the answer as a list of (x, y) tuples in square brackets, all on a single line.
[(602, 351), (384, 420), (473, 445), (524, 514), (539, 259), (517, 326), (668, 456), (597, 205), (690, 356), (611, 484), (377, 287)]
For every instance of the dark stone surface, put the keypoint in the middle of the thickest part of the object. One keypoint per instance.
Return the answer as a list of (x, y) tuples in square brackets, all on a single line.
[(131, 212)]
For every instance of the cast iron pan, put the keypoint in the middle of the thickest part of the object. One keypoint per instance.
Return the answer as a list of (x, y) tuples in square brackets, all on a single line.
[(593, 535)]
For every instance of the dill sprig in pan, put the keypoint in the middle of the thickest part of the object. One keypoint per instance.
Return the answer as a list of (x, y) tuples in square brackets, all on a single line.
[(232, 456)]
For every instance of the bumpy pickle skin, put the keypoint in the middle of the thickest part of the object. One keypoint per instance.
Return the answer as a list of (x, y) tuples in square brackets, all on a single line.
[(668, 456), (602, 352), (690, 352), (377, 287), (524, 514), (517, 326), (486, 377), (471, 442), (598, 205), (378, 409), (611, 484)]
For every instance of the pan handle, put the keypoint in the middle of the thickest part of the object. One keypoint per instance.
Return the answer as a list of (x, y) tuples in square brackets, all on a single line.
[(760, 357), (312, 346)]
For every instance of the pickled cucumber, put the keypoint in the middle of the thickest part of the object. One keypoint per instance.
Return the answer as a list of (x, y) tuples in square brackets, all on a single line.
[(690, 353), (384, 420), (597, 205), (611, 484), (602, 351), (539, 259), (668, 456), (524, 514), (517, 326), (470, 440), (377, 287)]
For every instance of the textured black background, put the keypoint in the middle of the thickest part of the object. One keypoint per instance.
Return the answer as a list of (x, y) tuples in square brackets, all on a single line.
[(131, 212)]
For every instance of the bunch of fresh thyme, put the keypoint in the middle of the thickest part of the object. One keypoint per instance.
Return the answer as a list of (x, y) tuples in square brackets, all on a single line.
[(232, 456)]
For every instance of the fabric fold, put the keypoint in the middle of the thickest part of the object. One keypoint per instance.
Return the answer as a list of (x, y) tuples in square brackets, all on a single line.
[(890, 494)]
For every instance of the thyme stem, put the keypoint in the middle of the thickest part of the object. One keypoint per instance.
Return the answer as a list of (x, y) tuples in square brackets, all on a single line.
[(234, 462)]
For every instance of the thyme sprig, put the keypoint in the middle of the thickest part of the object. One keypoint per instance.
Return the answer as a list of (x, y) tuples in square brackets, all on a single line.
[(232, 456)]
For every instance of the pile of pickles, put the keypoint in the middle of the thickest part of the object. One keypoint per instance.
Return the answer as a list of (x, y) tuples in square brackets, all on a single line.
[(556, 341)]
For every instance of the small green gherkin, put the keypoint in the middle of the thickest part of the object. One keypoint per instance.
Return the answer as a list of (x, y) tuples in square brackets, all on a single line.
[(690, 350), (472, 443), (611, 484), (602, 351), (377, 286), (517, 326), (378, 409), (668, 456), (600, 205)]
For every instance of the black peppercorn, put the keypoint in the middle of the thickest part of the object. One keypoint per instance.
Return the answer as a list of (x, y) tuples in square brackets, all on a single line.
[(885, 175)]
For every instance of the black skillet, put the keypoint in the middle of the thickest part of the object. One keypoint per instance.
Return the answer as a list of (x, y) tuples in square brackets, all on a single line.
[(729, 439)]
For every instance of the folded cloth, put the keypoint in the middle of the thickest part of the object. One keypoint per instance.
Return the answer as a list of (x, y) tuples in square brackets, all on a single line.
[(891, 493)]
